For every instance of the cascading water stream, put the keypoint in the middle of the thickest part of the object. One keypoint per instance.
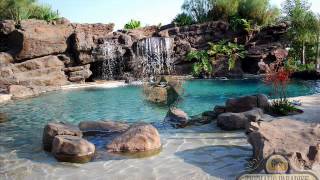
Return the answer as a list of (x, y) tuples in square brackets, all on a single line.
[(153, 56), (109, 63)]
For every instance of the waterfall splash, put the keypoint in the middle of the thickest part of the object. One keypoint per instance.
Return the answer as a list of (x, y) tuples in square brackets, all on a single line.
[(110, 61), (153, 56)]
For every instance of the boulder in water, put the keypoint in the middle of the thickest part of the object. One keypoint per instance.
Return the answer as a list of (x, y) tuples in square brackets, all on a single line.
[(102, 127), (72, 149), (138, 138), (177, 118), (160, 94), (58, 128)]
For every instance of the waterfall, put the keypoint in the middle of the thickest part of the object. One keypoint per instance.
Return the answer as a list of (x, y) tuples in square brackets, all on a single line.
[(153, 56), (109, 61)]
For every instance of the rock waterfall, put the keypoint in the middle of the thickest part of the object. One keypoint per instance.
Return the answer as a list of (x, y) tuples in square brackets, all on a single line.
[(153, 56)]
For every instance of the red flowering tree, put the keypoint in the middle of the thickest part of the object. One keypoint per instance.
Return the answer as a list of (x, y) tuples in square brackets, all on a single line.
[(277, 75)]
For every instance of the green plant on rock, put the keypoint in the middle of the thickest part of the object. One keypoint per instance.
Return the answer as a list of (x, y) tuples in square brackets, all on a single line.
[(232, 51), (282, 107), (183, 19), (133, 24), (202, 66), (237, 23)]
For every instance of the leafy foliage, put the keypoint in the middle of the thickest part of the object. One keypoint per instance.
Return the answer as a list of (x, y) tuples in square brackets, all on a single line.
[(238, 23), (258, 11), (133, 24), (231, 50), (296, 66), (202, 66), (305, 28), (282, 107), (18, 10), (183, 19)]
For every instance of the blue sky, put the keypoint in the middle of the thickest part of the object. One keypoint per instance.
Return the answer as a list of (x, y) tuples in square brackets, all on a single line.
[(149, 12)]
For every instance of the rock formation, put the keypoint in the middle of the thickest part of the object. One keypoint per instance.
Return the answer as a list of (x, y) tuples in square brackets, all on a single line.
[(138, 138), (94, 52), (102, 126), (54, 129), (72, 149), (297, 141)]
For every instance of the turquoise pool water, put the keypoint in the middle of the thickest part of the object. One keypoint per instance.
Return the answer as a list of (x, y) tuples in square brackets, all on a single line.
[(23, 132)]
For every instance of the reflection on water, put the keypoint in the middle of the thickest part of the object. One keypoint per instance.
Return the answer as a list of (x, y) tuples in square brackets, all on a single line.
[(195, 153)]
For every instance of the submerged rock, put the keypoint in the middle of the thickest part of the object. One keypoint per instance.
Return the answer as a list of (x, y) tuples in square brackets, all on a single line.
[(246, 103), (58, 128), (103, 126), (297, 141), (177, 118), (3, 118), (72, 149), (219, 109), (138, 138)]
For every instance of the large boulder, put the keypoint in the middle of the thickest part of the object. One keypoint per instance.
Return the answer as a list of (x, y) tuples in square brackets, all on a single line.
[(138, 138), (78, 74), (38, 38), (58, 128), (86, 38), (160, 94), (103, 126), (246, 103), (177, 117), (297, 141), (237, 121), (44, 71), (72, 149)]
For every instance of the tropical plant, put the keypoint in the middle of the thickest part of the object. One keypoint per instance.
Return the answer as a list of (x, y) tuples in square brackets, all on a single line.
[(232, 51), (202, 66), (183, 19), (239, 23), (133, 24), (278, 75)]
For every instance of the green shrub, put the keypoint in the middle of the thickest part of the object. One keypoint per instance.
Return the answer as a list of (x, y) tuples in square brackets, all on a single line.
[(282, 107), (18, 10), (259, 11), (199, 10), (224, 9), (202, 66), (231, 50), (183, 19), (44, 12), (133, 24), (296, 66), (237, 23)]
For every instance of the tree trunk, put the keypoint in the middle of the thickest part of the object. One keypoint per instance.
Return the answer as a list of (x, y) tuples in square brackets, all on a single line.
[(318, 53), (303, 53)]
